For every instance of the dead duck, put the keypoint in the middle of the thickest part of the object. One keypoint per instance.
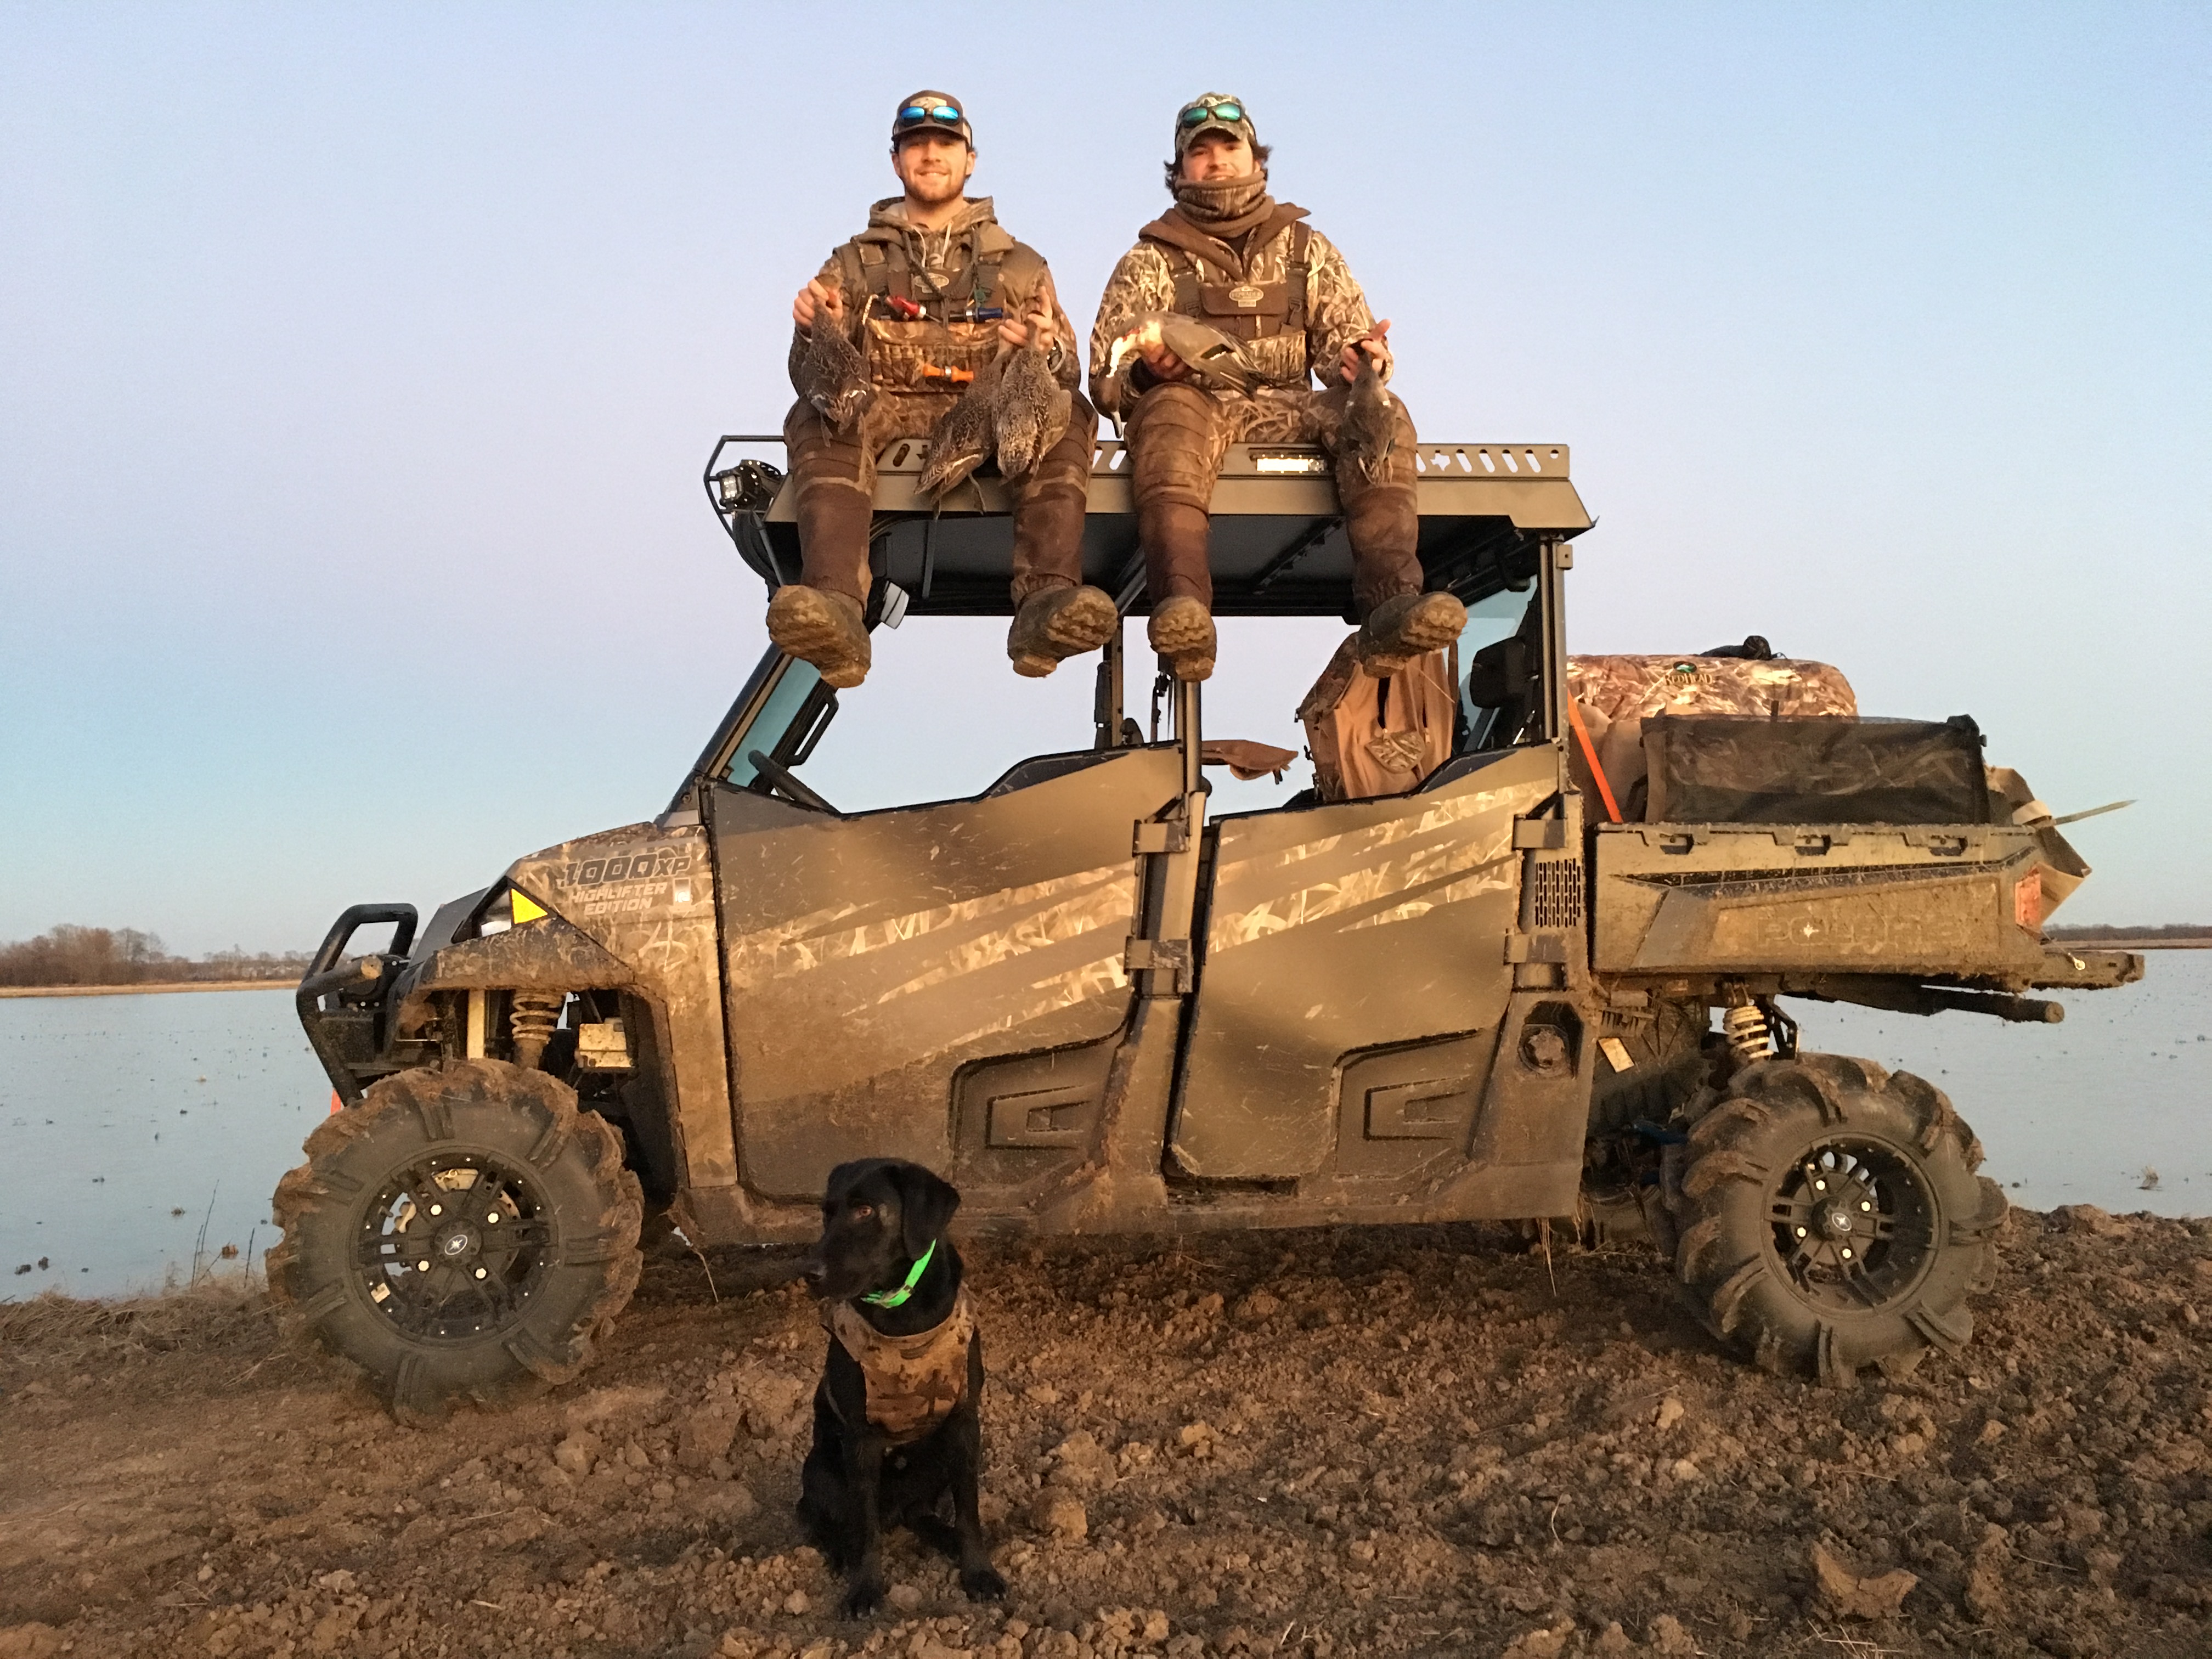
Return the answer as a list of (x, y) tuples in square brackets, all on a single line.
[(961, 438), (1030, 408), (836, 372), (1370, 428)]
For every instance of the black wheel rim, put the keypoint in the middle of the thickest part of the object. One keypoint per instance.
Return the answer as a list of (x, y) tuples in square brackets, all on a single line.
[(1853, 1221), (454, 1246)]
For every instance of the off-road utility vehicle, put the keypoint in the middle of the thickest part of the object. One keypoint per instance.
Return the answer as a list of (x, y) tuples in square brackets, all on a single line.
[(1097, 1010)]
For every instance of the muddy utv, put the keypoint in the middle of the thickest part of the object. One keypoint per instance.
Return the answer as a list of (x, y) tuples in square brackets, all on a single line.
[(1488, 994)]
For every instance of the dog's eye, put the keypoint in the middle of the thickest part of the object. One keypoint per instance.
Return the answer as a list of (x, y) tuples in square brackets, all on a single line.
[(862, 1212)]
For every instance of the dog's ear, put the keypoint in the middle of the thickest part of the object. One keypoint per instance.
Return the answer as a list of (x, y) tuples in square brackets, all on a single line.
[(927, 1201)]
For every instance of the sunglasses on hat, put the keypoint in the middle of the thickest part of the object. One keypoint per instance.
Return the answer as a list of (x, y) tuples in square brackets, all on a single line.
[(944, 112), (1226, 109)]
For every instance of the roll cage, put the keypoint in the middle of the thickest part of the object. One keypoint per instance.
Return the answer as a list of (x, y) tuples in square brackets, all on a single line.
[(1496, 519)]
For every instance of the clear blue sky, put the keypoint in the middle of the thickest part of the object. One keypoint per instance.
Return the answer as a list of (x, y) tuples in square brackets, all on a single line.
[(357, 364)]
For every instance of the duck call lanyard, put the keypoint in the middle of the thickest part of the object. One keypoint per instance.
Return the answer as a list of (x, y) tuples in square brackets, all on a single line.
[(893, 1298)]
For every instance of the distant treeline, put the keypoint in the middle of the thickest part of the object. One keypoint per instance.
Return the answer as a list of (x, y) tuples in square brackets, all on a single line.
[(2103, 930), (123, 956)]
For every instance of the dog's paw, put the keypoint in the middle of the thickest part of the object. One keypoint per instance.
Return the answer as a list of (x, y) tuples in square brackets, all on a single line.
[(982, 1583), (864, 1596)]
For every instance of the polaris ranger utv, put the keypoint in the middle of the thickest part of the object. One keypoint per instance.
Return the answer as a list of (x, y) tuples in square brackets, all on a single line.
[(1488, 996)]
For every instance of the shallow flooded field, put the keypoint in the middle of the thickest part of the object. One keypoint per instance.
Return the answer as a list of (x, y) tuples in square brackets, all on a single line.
[(145, 1134), (141, 1128)]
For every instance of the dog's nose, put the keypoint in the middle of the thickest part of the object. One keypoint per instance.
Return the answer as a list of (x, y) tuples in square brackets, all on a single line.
[(813, 1270)]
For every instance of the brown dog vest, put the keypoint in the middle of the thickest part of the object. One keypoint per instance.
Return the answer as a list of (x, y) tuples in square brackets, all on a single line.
[(912, 1382)]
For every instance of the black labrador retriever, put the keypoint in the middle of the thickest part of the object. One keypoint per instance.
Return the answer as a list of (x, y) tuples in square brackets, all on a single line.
[(896, 1424)]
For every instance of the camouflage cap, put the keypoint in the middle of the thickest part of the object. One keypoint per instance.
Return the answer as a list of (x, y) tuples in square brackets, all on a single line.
[(931, 112), (1213, 111)]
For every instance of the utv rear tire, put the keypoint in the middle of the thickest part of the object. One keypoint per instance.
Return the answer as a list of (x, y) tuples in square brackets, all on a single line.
[(1832, 1219), (463, 1228), (1667, 1066)]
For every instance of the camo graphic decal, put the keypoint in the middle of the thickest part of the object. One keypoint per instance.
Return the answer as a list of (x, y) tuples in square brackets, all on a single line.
[(1366, 867), (1044, 912)]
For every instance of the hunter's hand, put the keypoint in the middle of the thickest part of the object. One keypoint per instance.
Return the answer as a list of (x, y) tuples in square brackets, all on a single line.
[(1016, 334), (1376, 346), (817, 294), (1163, 364)]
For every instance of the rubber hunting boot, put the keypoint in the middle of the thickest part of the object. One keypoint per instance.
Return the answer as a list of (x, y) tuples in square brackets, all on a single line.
[(1181, 629), (1411, 625), (823, 629), (1058, 623)]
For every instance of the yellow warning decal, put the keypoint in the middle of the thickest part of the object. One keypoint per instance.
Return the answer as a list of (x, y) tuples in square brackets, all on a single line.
[(526, 909)]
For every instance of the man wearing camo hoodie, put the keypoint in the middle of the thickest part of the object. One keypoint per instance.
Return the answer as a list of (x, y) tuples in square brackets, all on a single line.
[(934, 289), (1228, 254)]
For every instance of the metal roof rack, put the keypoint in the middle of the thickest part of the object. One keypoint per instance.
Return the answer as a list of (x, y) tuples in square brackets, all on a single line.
[(1278, 542)]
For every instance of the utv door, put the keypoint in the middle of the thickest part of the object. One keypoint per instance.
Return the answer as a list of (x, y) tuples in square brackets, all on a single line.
[(943, 982), (1355, 979)]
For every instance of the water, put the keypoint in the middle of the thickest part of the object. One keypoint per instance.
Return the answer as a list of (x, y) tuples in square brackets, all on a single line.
[(2076, 1113), (120, 1111)]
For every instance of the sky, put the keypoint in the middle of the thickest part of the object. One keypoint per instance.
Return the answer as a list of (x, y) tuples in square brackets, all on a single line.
[(358, 364)]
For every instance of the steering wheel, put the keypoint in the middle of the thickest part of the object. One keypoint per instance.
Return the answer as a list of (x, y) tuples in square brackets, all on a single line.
[(788, 785)]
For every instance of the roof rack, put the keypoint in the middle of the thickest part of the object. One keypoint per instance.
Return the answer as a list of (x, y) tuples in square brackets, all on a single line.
[(1279, 544)]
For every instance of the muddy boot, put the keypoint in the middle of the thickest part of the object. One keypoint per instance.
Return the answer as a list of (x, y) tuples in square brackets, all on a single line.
[(1175, 535), (1181, 631), (1411, 625), (823, 629), (1058, 623)]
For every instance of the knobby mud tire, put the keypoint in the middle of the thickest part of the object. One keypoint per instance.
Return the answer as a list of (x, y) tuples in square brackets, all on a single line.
[(1669, 1067), (1772, 1123), (480, 1108)]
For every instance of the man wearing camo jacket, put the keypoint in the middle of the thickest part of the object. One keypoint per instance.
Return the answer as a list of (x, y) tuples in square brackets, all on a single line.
[(1229, 255)]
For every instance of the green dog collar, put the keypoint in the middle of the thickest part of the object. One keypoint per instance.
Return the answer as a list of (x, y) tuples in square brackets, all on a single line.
[(892, 1299)]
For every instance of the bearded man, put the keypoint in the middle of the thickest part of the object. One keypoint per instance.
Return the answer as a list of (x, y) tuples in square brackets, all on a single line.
[(1228, 254), (930, 293)]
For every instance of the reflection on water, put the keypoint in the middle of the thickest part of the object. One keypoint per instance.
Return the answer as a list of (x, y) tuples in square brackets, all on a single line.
[(133, 1122)]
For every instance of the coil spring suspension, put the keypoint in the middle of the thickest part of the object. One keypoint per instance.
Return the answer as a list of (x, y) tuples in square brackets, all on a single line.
[(1745, 1026), (534, 1015)]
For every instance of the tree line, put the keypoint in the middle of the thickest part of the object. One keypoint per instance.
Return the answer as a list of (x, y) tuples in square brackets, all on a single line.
[(70, 955)]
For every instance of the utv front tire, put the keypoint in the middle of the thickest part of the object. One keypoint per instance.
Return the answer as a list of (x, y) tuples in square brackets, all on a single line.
[(1832, 1219), (463, 1229)]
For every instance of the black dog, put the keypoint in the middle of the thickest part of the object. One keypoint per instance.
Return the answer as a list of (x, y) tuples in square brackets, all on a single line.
[(896, 1423)]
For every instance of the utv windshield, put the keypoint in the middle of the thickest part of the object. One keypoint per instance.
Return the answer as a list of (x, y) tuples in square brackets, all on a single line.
[(942, 717)]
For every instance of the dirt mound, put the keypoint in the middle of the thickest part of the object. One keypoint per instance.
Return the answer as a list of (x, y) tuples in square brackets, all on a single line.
[(1418, 1441)]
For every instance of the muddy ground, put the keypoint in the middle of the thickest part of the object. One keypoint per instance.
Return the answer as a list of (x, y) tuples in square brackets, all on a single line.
[(1359, 1441)]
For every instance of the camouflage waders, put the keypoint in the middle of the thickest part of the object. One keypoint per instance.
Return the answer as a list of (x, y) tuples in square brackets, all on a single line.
[(835, 474), (1178, 436)]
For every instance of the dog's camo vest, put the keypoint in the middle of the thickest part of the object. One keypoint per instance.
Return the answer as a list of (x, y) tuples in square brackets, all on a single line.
[(912, 1382)]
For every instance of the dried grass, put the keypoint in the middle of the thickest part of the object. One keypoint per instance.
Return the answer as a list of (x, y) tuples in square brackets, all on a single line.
[(214, 1314)]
